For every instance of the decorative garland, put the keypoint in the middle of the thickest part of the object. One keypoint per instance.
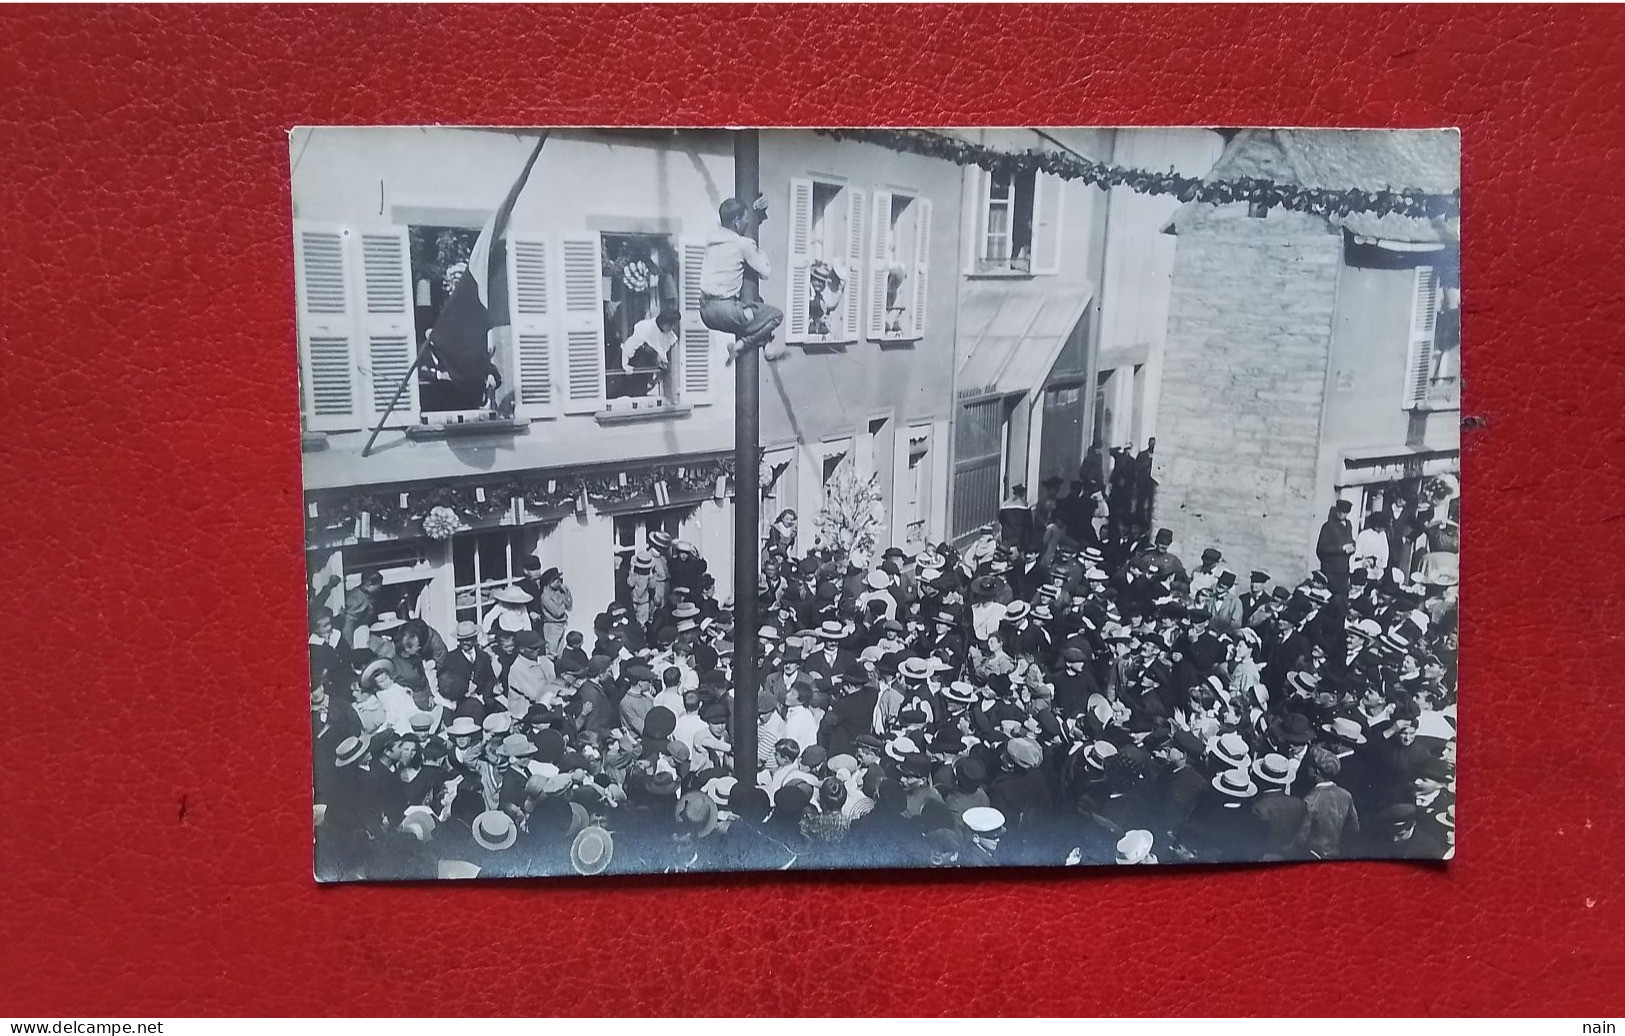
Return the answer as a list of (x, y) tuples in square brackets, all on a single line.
[(443, 511), (1314, 200)]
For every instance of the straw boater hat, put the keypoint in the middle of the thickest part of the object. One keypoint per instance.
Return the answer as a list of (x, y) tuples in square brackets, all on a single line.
[(591, 851), (511, 595), (1237, 783), (1273, 769), (1134, 847), (497, 723), (419, 822), (660, 539), (685, 547), (960, 691), (382, 665), (463, 726), (643, 561), (467, 631), (517, 745), (879, 579), (898, 748), (1346, 730), (1231, 750), (350, 751), (832, 629), (914, 669), (387, 621), (495, 830), (1097, 753)]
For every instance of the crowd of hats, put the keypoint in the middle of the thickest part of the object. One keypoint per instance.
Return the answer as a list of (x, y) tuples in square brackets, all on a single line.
[(1044, 699)]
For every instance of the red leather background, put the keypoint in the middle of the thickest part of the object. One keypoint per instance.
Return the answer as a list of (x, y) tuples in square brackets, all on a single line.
[(154, 845)]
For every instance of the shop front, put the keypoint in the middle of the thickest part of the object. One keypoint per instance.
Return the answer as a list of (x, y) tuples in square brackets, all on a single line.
[(443, 551)]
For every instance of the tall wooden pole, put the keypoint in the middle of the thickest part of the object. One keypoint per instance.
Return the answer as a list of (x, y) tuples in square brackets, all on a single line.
[(747, 492)]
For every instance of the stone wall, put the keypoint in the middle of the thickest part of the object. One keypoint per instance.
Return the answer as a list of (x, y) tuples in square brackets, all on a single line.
[(1242, 389)]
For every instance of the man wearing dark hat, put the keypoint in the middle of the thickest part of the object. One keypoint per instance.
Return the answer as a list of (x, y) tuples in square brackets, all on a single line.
[(1254, 597), (1207, 573), (552, 608), (850, 714), (1335, 546), (1073, 682)]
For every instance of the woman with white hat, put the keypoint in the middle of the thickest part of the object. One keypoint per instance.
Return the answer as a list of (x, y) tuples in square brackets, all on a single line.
[(509, 612)]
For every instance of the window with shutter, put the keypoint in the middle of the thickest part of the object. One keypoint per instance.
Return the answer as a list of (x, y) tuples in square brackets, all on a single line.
[(1424, 315), (388, 322), (922, 263), (1048, 208), (697, 360), (899, 241), (1007, 222), (535, 334), (852, 313), (798, 290), (583, 324), (327, 328), (879, 265)]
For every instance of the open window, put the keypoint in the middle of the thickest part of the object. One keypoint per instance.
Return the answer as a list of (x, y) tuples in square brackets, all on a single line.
[(487, 561), (439, 256), (632, 535), (899, 267), (642, 320), (826, 262), (1018, 223)]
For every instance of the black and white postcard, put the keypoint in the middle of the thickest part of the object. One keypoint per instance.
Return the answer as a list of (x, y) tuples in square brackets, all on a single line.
[(697, 499)]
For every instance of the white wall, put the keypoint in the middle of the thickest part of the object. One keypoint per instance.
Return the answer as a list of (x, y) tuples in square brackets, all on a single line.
[(1140, 261)]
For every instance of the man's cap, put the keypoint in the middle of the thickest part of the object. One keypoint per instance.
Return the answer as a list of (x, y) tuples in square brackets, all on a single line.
[(983, 820)]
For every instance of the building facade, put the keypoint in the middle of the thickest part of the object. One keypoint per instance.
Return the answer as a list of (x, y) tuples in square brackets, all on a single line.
[(1310, 358), (593, 449), (863, 242)]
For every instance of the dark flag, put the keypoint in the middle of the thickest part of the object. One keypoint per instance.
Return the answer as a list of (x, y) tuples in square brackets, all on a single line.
[(479, 299)]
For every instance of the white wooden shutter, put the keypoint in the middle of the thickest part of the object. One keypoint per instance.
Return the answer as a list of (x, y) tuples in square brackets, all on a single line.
[(975, 217), (1424, 313), (583, 324), (879, 238), (327, 328), (798, 290), (922, 262), (390, 332), (1049, 193), (535, 328), (852, 305), (696, 364)]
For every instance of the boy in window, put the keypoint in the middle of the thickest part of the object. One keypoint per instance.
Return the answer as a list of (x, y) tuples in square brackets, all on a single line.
[(728, 254)]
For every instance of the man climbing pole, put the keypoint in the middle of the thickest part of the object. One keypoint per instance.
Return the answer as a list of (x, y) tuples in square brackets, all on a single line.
[(730, 255)]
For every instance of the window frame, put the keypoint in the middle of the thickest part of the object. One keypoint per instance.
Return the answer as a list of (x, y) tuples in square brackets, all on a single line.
[(881, 240), (482, 587)]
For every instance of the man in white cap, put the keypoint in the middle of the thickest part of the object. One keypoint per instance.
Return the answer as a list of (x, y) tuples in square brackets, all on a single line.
[(986, 827)]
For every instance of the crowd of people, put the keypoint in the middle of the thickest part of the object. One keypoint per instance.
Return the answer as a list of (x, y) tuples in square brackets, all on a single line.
[(1062, 690)]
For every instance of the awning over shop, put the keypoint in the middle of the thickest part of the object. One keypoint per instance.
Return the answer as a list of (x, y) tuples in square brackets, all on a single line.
[(1011, 333), (1393, 463)]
